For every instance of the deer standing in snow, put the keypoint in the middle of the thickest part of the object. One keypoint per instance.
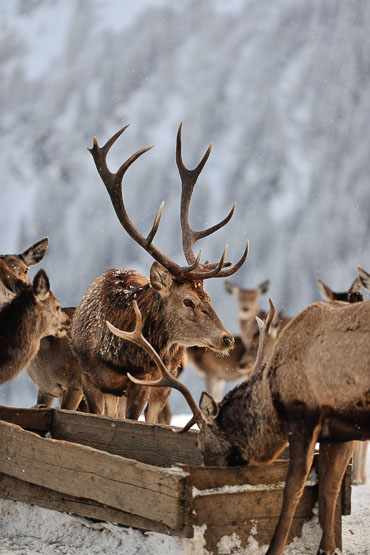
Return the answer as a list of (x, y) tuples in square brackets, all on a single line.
[(315, 388), (177, 312), (32, 313)]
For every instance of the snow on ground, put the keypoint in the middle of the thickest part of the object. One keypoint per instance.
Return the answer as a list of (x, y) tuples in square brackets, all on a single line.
[(26, 530)]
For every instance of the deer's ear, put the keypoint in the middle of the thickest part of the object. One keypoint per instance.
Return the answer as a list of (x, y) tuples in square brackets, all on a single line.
[(364, 277), (208, 407), (160, 278), (35, 253), (325, 291), (41, 285), (231, 287), (263, 287)]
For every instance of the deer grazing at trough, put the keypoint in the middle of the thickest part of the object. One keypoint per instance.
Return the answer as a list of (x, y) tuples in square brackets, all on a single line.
[(353, 295), (20, 264), (33, 313), (315, 388), (177, 311)]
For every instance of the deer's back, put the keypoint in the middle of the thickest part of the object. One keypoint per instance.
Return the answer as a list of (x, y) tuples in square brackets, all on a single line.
[(322, 357)]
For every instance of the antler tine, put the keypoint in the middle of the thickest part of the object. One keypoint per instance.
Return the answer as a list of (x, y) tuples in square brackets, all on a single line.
[(188, 180), (113, 184), (190, 236), (166, 380), (263, 331)]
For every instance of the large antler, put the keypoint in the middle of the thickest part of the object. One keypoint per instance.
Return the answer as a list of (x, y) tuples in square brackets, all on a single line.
[(167, 380), (190, 236), (113, 184)]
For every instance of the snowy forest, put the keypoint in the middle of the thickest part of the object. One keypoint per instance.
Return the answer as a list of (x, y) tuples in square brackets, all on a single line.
[(280, 88)]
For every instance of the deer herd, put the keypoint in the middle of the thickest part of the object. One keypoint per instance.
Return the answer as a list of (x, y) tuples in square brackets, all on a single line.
[(303, 380)]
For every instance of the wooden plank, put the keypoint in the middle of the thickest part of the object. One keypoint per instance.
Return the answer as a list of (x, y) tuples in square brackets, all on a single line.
[(18, 490), (149, 443), (131, 486), (209, 477), (223, 508), (260, 530), (347, 491), (37, 420)]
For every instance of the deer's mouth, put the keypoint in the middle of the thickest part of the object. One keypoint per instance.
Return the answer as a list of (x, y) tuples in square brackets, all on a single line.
[(223, 349)]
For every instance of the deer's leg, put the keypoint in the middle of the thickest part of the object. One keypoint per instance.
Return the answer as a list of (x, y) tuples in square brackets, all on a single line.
[(122, 401), (71, 398), (45, 400), (137, 397), (157, 401), (165, 415), (359, 462), (215, 386), (93, 396), (302, 439), (333, 461), (111, 405)]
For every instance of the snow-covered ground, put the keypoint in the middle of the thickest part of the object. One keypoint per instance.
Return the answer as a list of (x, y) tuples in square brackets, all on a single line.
[(26, 530)]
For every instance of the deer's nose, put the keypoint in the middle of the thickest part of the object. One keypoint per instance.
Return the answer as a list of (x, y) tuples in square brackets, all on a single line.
[(228, 341)]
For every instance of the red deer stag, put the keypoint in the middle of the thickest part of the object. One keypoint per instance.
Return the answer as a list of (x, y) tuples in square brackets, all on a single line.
[(20, 265), (177, 311), (353, 295), (32, 314), (316, 388)]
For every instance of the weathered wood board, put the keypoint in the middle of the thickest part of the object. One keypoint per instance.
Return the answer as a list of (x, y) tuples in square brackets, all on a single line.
[(144, 476), (125, 484)]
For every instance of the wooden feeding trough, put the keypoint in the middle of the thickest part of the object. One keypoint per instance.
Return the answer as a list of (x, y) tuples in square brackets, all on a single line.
[(144, 476)]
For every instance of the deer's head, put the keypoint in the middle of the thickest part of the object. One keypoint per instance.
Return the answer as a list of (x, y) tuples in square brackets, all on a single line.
[(188, 306)]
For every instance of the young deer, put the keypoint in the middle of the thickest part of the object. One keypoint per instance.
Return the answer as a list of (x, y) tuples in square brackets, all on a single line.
[(314, 389), (20, 265), (177, 311), (237, 366), (353, 295), (32, 314), (55, 371), (248, 309)]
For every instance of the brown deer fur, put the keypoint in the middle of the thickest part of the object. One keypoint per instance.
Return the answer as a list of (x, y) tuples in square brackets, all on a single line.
[(168, 325), (248, 309), (32, 314), (216, 369), (316, 387), (55, 371), (20, 265), (176, 310)]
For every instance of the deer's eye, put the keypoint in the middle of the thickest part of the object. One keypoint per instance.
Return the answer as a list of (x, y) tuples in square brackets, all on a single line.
[(189, 302)]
